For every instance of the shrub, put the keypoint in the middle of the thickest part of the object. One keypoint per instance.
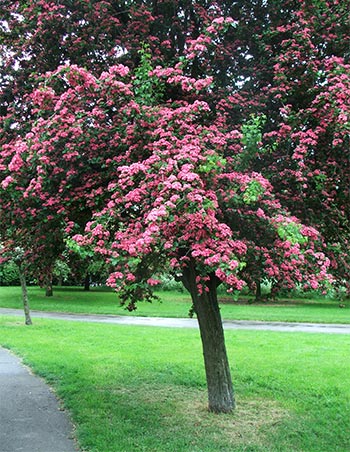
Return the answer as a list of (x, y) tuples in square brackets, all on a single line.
[(9, 274)]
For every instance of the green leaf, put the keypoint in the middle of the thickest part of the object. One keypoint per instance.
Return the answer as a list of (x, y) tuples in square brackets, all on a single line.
[(253, 192), (291, 232)]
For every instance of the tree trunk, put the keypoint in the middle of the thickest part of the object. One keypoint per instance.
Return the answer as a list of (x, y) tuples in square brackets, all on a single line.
[(258, 290), (48, 284), (219, 382), (87, 282), (22, 278), (49, 290)]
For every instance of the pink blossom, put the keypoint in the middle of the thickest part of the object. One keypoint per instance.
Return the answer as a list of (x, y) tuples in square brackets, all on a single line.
[(260, 213), (153, 282), (219, 20), (119, 69), (7, 181), (16, 163)]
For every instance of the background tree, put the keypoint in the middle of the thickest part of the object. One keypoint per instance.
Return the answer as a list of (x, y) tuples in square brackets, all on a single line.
[(309, 93), (12, 254)]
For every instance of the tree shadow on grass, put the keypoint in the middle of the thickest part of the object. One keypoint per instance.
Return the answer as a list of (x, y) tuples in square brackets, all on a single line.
[(167, 418)]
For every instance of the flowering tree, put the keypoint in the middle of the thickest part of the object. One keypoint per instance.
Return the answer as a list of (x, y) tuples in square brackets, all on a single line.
[(27, 222), (310, 127), (314, 124), (160, 180)]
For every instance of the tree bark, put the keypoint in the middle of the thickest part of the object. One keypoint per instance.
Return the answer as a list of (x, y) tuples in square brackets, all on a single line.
[(87, 282), (49, 290), (218, 375), (22, 278), (258, 290), (48, 284)]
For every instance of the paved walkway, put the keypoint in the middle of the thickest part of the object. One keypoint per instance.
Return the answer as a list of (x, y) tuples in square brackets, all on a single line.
[(30, 418), (187, 323)]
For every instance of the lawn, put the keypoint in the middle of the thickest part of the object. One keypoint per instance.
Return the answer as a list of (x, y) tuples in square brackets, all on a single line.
[(143, 388), (176, 304)]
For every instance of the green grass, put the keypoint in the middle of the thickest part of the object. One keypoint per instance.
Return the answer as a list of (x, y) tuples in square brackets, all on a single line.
[(176, 304), (143, 389)]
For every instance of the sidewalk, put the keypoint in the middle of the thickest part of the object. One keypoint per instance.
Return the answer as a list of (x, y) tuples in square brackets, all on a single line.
[(187, 322), (30, 418)]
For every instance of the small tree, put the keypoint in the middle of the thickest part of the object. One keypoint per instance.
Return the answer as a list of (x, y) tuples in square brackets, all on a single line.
[(176, 203), (17, 256)]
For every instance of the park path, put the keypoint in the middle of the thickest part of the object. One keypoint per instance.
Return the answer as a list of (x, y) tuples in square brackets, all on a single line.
[(187, 323), (30, 418)]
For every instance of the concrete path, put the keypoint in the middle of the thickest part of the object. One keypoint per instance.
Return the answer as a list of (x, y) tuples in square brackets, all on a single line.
[(187, 323), (30, 419)]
